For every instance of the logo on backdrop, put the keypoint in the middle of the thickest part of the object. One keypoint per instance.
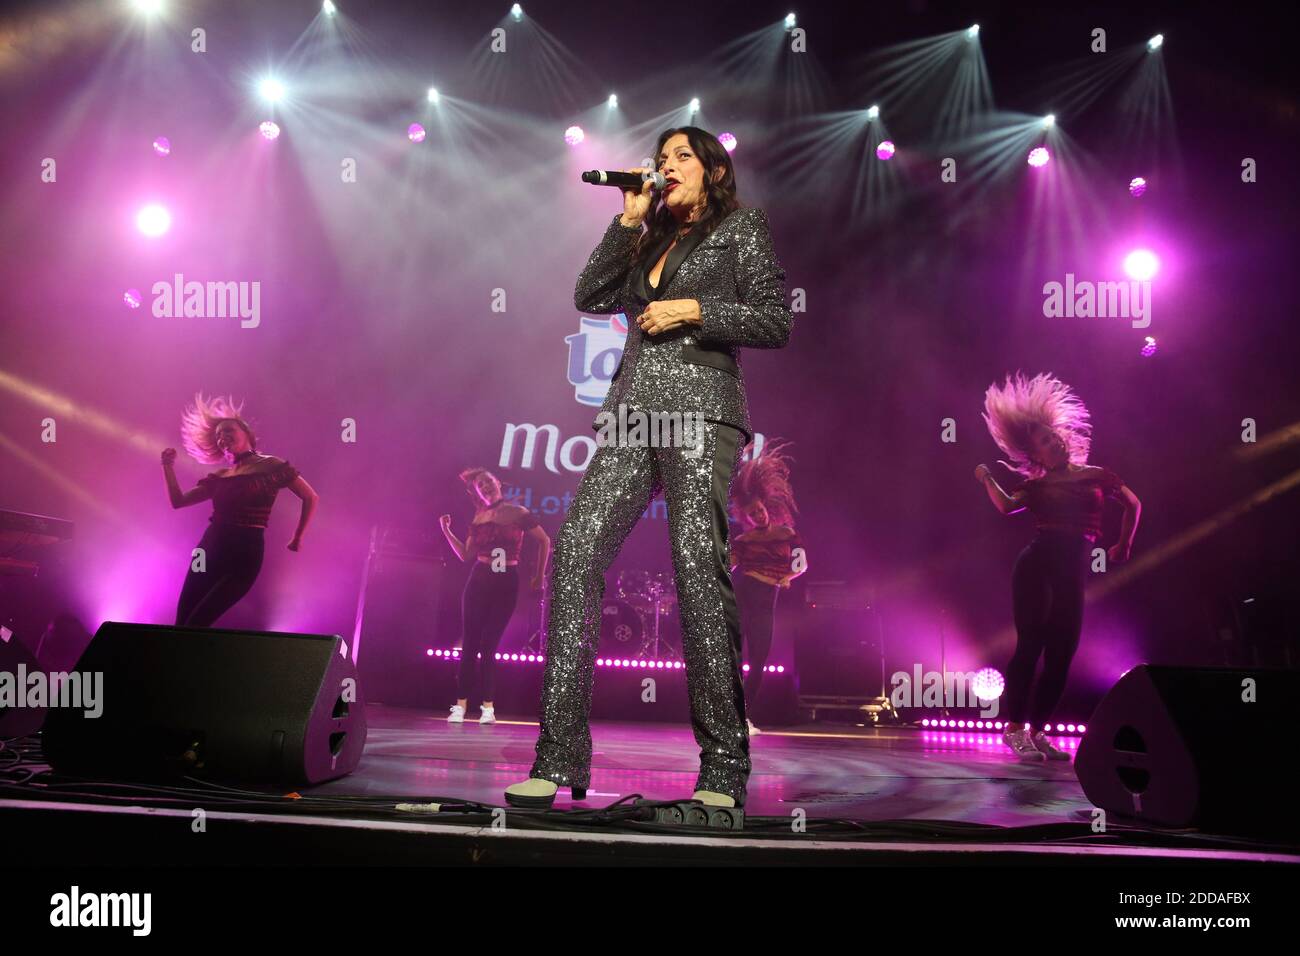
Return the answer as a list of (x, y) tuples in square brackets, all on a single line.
[(594, 353)]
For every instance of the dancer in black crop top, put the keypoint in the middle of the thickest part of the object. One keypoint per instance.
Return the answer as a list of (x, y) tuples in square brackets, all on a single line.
[(765, 556), (493, 543), (242, 495), (1044, 429)]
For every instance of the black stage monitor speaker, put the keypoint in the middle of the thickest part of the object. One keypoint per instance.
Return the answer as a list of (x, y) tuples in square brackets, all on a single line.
[(244, 705), (1187, 747), (17, 663)]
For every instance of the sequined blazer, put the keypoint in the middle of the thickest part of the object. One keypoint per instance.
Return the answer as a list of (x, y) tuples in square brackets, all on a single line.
[(733, 273)]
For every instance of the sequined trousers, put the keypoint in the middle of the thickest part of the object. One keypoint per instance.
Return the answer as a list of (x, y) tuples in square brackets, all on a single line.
[(619, 484)]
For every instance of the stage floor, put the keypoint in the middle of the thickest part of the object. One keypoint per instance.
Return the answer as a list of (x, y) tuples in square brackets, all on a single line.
[(827, 770), (869, 795)]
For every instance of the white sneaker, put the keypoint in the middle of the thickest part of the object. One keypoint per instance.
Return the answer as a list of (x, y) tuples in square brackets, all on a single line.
[(1045, 747), (1023, 747), (457, 715), (488, 715), (753, 731)]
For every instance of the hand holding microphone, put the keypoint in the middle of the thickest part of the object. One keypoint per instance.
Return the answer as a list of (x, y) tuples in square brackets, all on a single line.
[(638, 185)]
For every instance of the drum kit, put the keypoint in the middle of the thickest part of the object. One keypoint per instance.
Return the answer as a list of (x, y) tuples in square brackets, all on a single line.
[(635, 622), (631, 623)]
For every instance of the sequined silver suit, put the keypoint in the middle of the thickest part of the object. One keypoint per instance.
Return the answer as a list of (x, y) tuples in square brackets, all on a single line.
[(734, 275)]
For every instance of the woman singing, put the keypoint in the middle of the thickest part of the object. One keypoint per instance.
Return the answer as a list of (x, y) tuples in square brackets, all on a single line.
[(242, 494), (495, 539), (698, 274), (1044, 429), (768, 554)]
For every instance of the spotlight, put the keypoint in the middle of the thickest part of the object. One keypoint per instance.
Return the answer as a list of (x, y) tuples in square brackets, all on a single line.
[(988, 683), (517, 12), (328, 8), (1141, 264), (612, 101), (1155, 43), (162, 146), (432, 95), (728, 141), (873, 112), (1039, 156), (153, 220), (1137, 186), (271, 89), (1049, 120), (789, 21), (269, 129), (147, 7), (694, 106), (574, 135), (973, 32), (132, 298), (885, 150), (1149, 347), (415, 133)]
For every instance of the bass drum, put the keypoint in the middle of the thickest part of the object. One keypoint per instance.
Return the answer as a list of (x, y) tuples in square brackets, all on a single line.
[(622, 630)]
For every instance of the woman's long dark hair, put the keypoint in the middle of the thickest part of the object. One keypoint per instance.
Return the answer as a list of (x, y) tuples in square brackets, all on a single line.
[(720, 196)]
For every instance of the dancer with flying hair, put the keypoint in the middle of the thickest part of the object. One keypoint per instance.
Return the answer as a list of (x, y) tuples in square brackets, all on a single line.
[(213, 432), (764, 553), (1044, 430)]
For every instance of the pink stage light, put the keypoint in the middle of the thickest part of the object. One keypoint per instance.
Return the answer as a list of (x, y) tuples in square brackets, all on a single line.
[(132, 298), (728, 141), (415, 133), (153, 220), (1039, 156), (1141, 264), (574, 135), (885, 150), (1137, 186), (162, 146), (1148, 347), (269, 129), (429, 652), (988, 683)]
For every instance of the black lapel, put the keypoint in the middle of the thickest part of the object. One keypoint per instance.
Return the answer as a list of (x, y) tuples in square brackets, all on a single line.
[(641, 281)]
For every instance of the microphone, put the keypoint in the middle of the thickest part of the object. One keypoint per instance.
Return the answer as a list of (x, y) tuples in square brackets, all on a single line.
[(610, 177)]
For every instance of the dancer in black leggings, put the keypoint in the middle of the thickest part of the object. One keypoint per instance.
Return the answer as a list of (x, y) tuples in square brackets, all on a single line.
[(1044, 429), (242, 495), (494, 541), (767, 554)]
